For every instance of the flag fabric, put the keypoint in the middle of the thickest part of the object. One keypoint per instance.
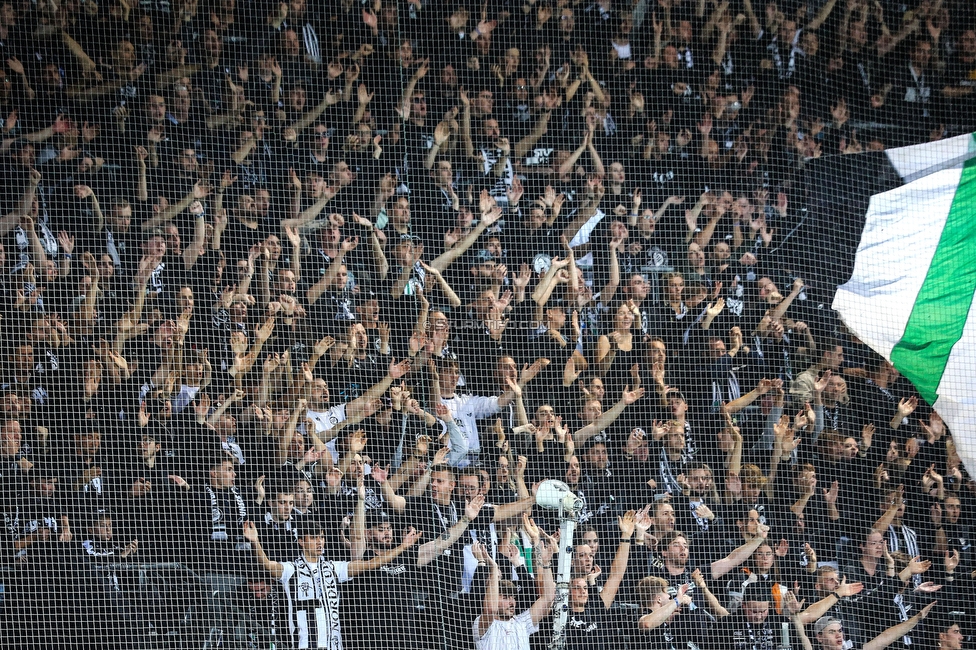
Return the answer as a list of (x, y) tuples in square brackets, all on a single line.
[(910, 295)]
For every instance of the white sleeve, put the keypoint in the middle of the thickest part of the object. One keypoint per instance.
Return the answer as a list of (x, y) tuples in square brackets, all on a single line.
[(341, 571), (482, 407), (287, 571), (476, 629)]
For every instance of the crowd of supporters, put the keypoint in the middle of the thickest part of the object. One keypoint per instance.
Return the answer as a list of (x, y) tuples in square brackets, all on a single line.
[(303, 300)]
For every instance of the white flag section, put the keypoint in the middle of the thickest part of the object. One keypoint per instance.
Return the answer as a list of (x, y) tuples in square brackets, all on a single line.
[(902, 234), (919, 157)]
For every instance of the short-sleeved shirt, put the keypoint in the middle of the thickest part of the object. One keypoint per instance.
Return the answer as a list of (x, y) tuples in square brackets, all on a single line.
[(312, 593), (512, 634)]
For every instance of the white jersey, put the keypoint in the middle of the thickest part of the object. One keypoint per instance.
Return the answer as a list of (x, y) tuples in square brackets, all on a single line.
[(312, 592), (326, 420), (512, 634), (466, 410)]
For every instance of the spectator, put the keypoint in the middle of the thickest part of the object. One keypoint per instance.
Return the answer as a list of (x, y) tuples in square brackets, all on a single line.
[(214, 221)]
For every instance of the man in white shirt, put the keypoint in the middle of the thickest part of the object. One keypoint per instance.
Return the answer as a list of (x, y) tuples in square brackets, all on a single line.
[(326, 418), (466, 410), (311, 583), (498, 627)]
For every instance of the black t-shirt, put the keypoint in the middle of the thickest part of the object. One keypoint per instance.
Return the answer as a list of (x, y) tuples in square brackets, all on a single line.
[(434, 519), (384, 594), (591, 628), (736, 633), (683, 630)]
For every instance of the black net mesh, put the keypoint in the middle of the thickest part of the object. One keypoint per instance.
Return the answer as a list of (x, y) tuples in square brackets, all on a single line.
[(304, 301)]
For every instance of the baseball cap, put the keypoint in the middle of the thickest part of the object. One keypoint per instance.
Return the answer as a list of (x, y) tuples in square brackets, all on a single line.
[(825, 621)]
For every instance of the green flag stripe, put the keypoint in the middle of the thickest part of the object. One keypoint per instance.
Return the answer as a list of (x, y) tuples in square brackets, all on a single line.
[(940, 311)]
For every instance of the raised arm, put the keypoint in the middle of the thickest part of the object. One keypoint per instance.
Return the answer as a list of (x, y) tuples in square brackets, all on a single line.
[(882, 523), (541, 607), (357, 567), (357, 530), (751, 17), (490, 213), (276, 569), (822, 606), (895, 632), (821, 16), (607, 418), (316, 290), (489, 606), (404, 107), (309, 214), (739, 555), (780, 310), (661, 615), (198, 193), (429, 551), (619, 566), (523, 146), (356, 408), (302, 123)]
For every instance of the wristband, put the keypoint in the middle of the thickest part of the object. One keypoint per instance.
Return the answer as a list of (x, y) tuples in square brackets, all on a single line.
[(625, 539), (465, 519), (66, 256), (546, 566)]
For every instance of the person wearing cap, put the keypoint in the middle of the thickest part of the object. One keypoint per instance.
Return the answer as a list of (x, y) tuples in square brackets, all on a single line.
[(498, 626), (829, 631)]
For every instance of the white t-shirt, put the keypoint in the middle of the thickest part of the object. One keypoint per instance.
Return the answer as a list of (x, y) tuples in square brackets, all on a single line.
[(466, 411), (325, 420), (512, 634), (312, 594)]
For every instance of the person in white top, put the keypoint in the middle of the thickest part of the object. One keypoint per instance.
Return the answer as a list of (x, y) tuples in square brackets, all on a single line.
[(466, 410), (311, 583), (498, 627), (326, 418)]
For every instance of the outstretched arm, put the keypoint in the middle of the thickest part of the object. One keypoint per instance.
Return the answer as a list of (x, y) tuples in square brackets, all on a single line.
[(619, 566), (429, 551), (607, 418), (489, 606), (276, 569), (540, 608), (357, 567), (739, 555), (895, 632)]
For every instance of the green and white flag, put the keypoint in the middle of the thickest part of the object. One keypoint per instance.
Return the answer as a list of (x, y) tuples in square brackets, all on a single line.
[(911, 295)]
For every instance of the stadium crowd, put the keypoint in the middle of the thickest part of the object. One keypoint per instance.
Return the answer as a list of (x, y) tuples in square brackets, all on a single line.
[(303, 300)]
